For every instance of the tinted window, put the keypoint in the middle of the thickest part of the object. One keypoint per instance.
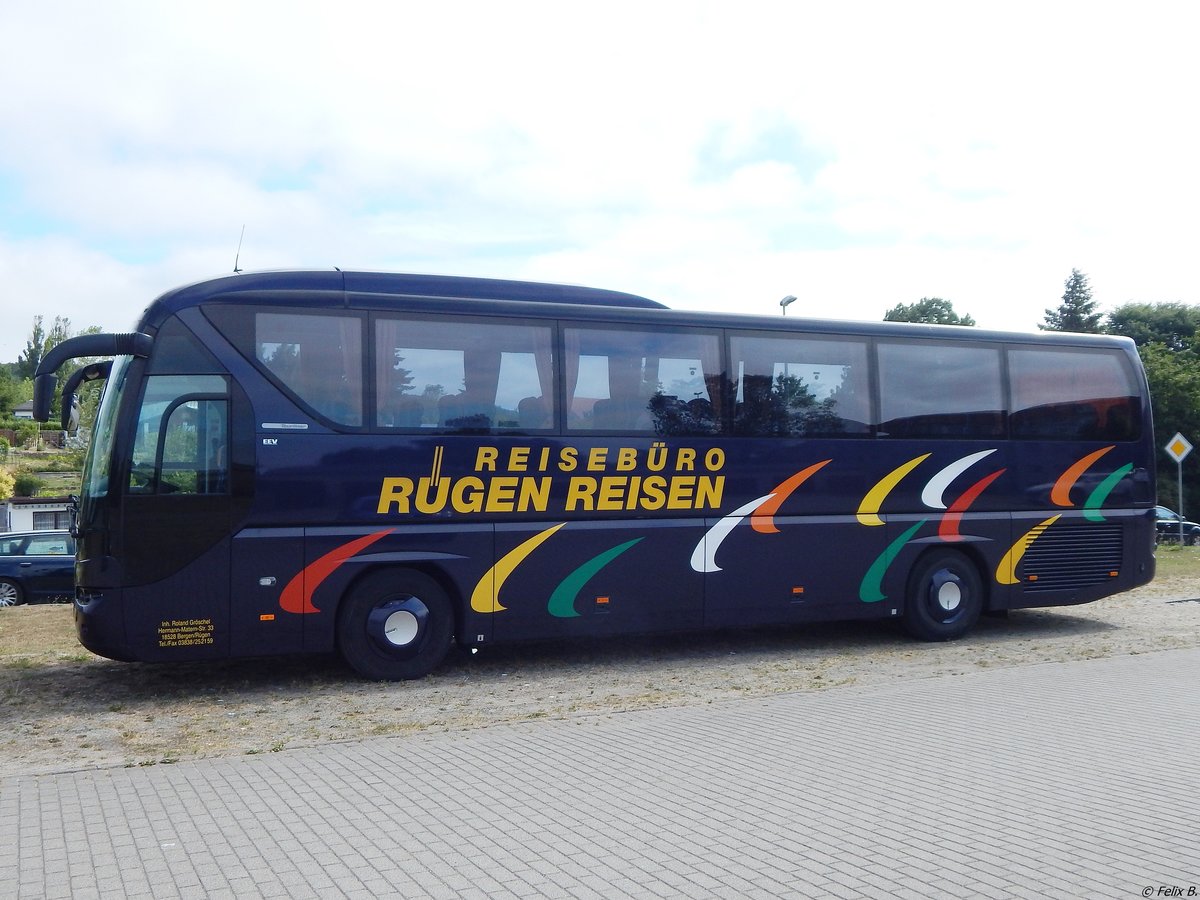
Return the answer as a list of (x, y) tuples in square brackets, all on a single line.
[(177, 350), (182, 443), (800, 386), (12, 546), (463, 375), (655, 382), (50, 545), (930, 390), (1073, 395), (319, 358)]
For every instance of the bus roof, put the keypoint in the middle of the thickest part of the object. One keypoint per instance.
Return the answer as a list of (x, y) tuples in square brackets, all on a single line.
[(338, 288), (397, 284)]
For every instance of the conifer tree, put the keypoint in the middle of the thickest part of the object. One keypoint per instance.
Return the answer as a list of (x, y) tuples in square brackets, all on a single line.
[(1077, 312)]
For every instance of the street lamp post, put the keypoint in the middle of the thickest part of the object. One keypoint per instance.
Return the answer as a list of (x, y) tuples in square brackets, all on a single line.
[(785, 303)]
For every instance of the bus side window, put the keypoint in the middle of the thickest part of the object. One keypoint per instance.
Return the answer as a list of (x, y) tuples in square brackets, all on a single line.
[(463, 374), (183, 437), (940, 390), (1061, 394), (318, 358), (800, 387), (663, 382)]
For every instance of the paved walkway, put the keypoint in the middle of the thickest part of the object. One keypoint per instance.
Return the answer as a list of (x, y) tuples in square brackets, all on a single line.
[(1079, 779)]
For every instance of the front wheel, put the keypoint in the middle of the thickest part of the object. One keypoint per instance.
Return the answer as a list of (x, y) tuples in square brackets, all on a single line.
[(945, 597), (10, 593), (395, 625)]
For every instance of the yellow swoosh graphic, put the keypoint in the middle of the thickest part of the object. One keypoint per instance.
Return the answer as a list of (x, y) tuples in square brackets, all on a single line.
[(869, 509), (486, 596), (1006, 572)]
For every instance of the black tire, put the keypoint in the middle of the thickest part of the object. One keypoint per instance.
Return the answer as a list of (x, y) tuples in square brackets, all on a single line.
[(1190, 539), (11, 593), (945, 597), (395, 625)]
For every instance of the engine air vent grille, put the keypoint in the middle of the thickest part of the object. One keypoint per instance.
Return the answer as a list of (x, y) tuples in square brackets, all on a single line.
[(1072, 556)]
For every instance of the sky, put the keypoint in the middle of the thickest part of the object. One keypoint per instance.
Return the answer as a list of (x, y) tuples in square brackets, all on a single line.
[(714, 156)]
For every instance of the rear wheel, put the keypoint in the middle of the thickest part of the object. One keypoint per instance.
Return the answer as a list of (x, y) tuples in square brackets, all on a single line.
[(10, 593), (395, 625), (945, 597)]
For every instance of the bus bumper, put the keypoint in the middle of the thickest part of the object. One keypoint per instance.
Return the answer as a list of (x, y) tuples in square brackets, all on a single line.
[(99, 624)]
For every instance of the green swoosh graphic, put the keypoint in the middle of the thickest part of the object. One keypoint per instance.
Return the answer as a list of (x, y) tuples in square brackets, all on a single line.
[(871, 589), (562, 601), (1100, 494)]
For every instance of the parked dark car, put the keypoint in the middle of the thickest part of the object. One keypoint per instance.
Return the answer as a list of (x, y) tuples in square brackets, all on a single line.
[(1168, 527), (36, 565)]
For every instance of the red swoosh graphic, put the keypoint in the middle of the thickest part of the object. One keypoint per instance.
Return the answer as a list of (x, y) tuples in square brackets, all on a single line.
[(1060, 495), (948, 530), (297, 596), (762, 519)]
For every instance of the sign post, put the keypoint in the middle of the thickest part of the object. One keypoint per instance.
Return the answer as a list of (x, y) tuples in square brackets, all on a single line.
[(1179, 447)]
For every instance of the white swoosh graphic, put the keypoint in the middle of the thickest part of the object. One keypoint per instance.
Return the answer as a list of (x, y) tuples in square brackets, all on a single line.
[(704, 557), (932, 495)]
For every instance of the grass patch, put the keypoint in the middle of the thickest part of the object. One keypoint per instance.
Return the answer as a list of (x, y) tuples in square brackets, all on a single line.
[(1175, 561), (39, 634)]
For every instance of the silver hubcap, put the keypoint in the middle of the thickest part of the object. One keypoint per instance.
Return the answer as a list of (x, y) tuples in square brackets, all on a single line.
[(401, 627), (8, 595), (949, 596)]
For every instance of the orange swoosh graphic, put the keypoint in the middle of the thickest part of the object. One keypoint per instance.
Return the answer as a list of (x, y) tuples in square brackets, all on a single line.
[(1060, 495), (762, 519), (297, 596)]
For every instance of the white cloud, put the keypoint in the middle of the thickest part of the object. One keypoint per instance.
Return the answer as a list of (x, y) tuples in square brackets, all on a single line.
[(857, 155)]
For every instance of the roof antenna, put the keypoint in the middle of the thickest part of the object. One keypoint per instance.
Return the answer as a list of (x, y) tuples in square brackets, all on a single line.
[(238, 255)]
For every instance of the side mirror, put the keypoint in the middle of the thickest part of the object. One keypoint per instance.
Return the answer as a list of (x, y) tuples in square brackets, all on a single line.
[(70, 404)]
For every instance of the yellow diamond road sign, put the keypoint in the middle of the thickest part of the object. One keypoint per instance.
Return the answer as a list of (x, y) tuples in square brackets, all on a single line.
[(1179, 447)]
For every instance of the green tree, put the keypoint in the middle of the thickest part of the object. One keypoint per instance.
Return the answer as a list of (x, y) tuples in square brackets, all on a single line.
[(38, 344), (1077, 312), (1173, 325), (1166, 335), (12, 392), (930, 310), (26, 484), (1174, 379), (35, 349)]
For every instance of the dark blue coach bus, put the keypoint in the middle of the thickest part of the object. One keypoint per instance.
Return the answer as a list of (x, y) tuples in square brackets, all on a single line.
[(388, 464)]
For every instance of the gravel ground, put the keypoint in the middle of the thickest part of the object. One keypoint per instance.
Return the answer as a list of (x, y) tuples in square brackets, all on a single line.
[(63, 709)]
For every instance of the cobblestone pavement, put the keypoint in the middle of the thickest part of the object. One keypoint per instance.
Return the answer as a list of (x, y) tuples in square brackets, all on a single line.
[(1077, 779)]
